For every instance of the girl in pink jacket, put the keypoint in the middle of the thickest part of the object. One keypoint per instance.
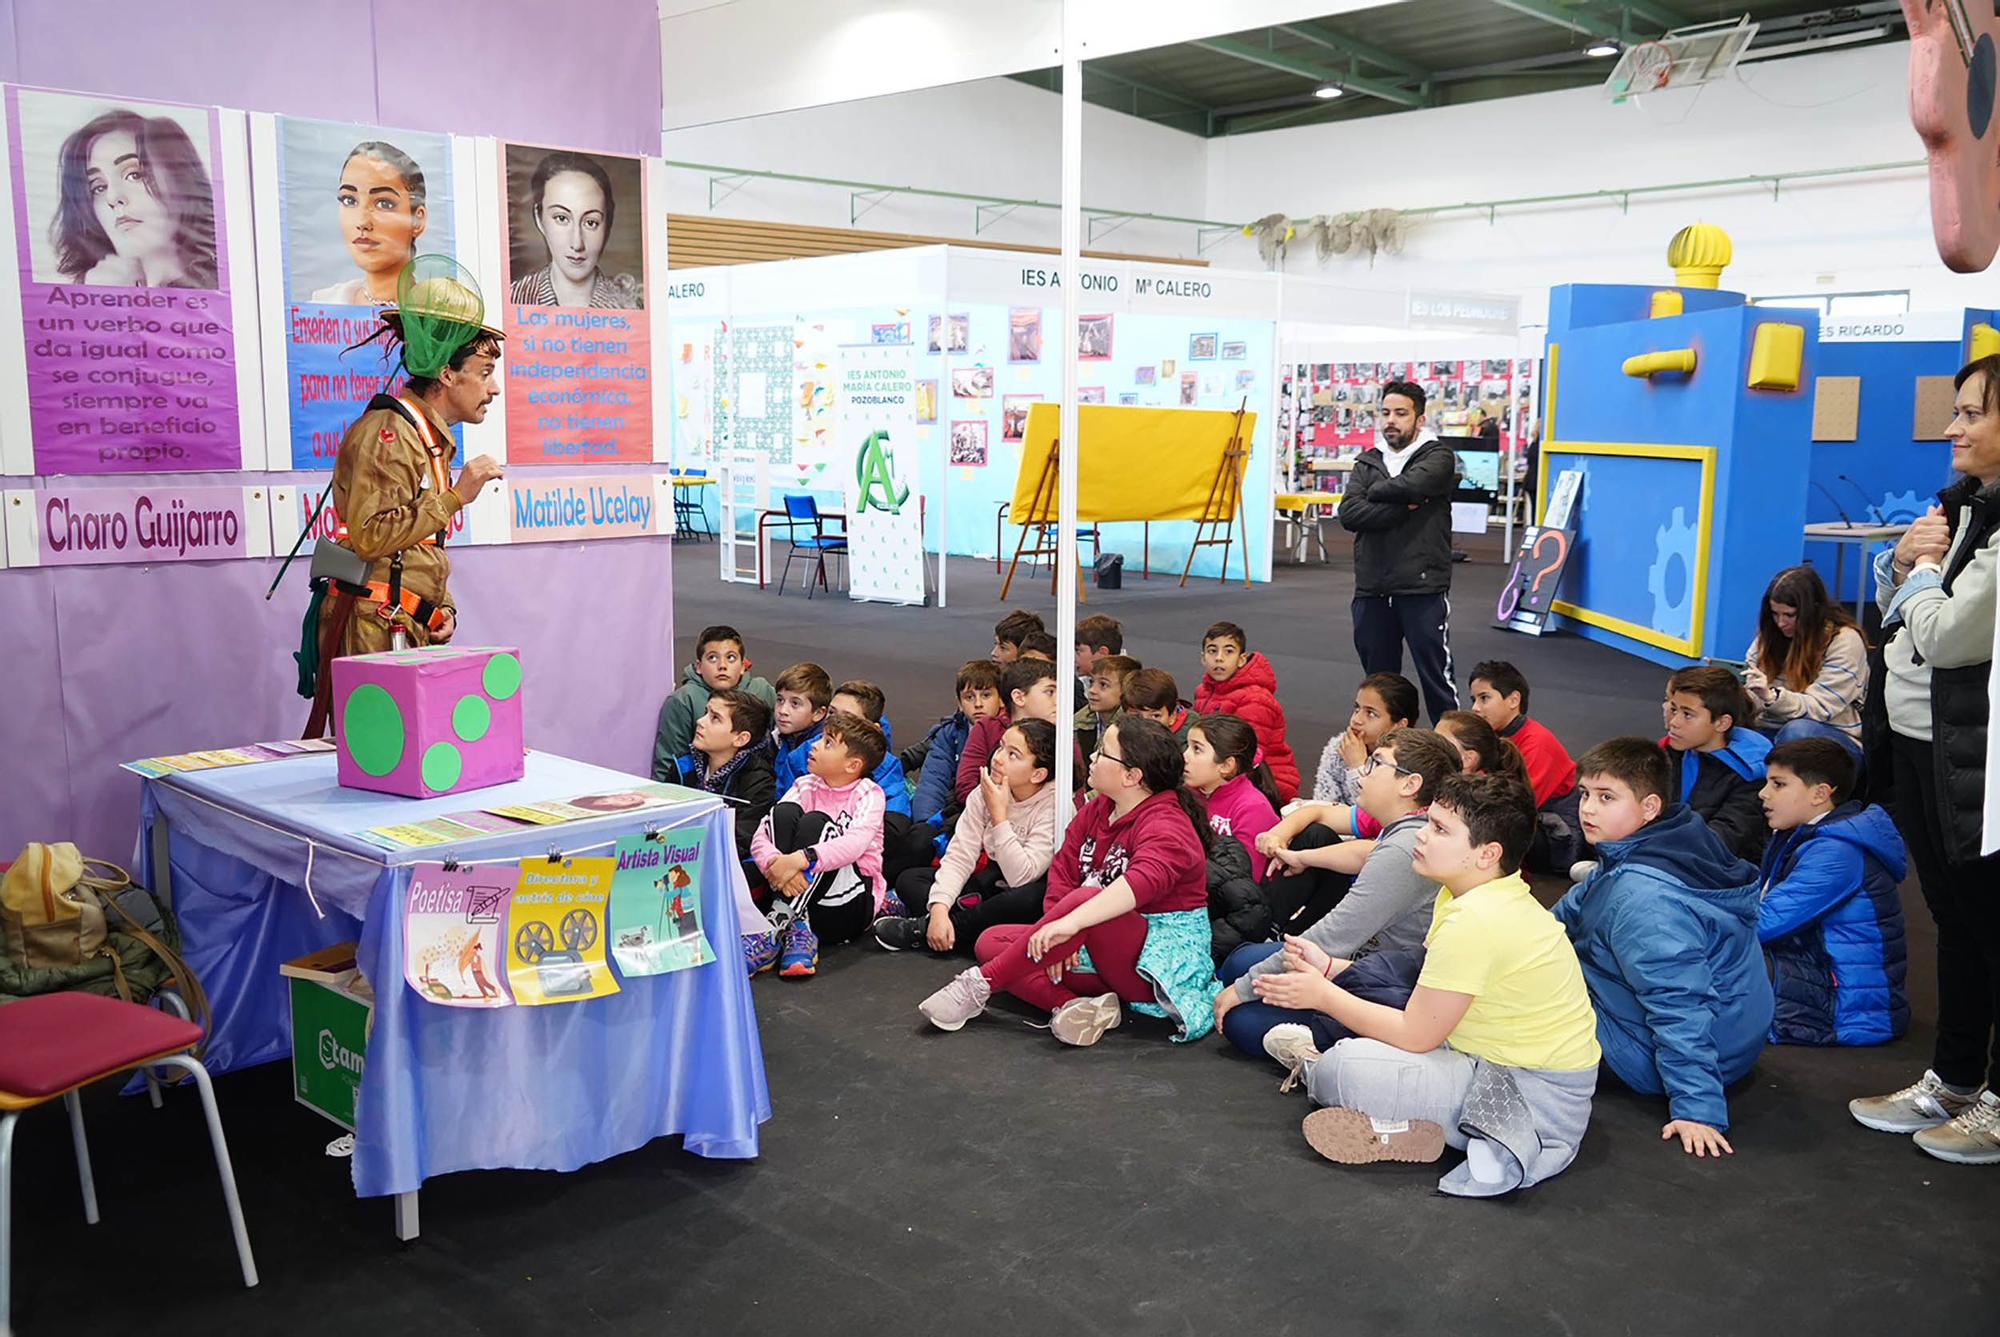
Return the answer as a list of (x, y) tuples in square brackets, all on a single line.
[(1225, 765)]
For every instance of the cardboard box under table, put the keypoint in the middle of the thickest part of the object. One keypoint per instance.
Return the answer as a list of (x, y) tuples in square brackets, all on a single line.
[(261, 865)]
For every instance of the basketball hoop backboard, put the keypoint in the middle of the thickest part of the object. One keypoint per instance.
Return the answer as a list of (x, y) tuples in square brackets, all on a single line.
[(1683, 58)]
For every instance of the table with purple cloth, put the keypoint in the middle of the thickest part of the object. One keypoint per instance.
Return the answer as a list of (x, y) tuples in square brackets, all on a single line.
[(263, 863)]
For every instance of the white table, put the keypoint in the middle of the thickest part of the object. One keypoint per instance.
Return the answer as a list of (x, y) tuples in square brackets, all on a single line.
[(1865, 537)]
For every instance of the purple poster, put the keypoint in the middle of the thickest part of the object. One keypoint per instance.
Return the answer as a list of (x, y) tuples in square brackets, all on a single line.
[(124, 284)]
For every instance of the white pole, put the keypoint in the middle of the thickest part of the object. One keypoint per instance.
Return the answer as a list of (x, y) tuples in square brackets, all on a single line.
[(1066, 434)]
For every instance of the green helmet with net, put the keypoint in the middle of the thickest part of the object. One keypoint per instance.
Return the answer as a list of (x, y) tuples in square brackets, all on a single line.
[(438, 311)]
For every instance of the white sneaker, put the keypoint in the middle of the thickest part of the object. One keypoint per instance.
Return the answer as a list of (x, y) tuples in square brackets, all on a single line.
[(1291, 1044), (957, 1002), (1925, 1104), (1971, 1138), (1083, 1021), (1581, 869)]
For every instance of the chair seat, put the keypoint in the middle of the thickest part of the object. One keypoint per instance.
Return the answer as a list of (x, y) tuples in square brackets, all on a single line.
[(823, 544), (55, 1042)]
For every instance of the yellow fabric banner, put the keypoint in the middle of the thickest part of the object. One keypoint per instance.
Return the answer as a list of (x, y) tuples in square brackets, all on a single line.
[(1137, 463)]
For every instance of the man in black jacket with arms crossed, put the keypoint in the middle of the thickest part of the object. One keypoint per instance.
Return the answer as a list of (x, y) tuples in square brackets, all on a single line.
[(1397, 504)]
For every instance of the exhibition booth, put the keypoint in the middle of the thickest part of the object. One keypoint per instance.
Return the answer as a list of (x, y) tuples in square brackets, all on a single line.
[(490, 921)]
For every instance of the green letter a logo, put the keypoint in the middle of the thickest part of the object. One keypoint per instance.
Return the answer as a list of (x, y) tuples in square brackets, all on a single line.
[(874, 467)]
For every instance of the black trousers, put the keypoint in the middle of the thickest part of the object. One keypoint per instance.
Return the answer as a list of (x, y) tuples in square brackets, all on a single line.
[(1300, 900), (1383, 623), (1964, 900), (849, 912), (984, 901), (906, 844)]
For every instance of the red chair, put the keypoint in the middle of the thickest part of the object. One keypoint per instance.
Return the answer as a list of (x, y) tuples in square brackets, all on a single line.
[(56, 1044)]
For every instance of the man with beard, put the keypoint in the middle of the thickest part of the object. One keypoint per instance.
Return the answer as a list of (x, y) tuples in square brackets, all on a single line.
[(1397, 504)]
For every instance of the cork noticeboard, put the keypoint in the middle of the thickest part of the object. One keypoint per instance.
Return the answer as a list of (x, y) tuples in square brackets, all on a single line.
[(1836, 408), (1934, 400)]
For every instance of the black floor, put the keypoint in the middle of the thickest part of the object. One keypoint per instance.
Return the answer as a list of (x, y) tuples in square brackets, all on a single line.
[(913, 1182)]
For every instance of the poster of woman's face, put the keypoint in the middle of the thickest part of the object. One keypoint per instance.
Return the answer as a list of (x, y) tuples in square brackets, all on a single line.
[(357, 202), (575, 228), (118, 194)]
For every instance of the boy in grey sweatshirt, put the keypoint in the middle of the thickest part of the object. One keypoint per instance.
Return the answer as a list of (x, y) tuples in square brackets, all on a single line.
[(1387, 910)]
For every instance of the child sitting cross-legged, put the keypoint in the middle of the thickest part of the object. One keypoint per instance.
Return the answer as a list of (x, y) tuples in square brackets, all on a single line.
[(1236, 680), (904, 844), (1494, 1051), (1317, 848), (1481, 748), (1098, 634), (731, 756), (1500, 697), (1381, 920), (1715, 759), (1382, 702), (1831, 921), (858, 696), (1010, 821), (1666, 928), (980, 695), (804, 694), (720, 664), (1224, 766), (1027, 692), (1010, 631), (820, 851), (1126, 915), (1154, 694), (1103, 697)]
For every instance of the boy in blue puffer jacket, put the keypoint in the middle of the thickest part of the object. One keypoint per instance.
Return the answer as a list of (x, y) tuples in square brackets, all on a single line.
[(979, 695), (1666, 931), (1832, 919)]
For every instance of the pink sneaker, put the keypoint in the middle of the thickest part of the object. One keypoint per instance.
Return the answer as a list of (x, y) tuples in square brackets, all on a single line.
[(957, 1002)]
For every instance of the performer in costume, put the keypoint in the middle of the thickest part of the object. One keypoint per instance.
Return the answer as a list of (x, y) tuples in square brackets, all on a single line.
[(392, 486)]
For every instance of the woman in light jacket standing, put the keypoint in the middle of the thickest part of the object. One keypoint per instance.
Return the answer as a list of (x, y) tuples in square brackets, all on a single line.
[(1936, 591)]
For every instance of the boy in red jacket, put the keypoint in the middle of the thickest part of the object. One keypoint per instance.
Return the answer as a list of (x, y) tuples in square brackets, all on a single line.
[(1236, 681), (1500, 697)]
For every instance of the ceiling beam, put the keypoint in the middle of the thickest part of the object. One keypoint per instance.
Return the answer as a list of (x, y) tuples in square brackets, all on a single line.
[(1564, 16), (1320, 35), (1666, 19), (1306, 69), (1097, 71)]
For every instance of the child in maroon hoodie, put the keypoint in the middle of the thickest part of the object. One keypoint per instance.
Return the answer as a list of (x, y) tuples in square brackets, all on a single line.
[(1129, 884), (1236, 681)]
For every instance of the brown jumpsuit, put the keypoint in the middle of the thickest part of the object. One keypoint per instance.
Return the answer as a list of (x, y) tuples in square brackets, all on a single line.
[(393, 494)]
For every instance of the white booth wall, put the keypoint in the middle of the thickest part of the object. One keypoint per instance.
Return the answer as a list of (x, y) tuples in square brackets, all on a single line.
[(742, 317)]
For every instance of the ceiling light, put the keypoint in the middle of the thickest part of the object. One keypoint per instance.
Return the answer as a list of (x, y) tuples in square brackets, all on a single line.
[(1328, 91), (1599, 50)]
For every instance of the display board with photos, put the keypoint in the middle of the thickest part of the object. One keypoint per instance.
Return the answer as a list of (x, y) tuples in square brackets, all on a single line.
[(1336, 403)]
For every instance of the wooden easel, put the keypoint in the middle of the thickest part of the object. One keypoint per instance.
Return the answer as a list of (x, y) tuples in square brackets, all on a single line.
[(1038, 522), (1225, 504)]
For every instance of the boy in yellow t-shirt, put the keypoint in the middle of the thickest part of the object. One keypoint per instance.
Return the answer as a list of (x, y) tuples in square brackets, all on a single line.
[(1496, 1051)]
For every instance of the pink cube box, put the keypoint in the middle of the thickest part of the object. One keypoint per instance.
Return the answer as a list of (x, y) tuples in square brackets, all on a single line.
[(432, 721)]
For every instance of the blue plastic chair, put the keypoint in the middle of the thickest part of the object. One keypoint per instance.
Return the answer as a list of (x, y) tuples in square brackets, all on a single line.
[(802, 512)]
